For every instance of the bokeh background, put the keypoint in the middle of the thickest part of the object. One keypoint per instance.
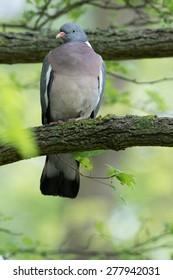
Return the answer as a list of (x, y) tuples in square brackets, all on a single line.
[(100, 222)]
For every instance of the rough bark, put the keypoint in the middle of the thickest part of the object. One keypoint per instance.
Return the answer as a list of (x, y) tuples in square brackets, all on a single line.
[(31, 47), (110, 132)]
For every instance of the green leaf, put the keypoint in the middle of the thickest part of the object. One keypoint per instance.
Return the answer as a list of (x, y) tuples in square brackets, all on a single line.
[(112, 66), (82, 157), (28, 15), (4, 218), (27, 241), (85, 162), (155, 97), (102, 230), (38, 1), (114, 95), (88, 153), (112, 186), (7, 218), (169, 227), (123, 199), (99, 226), (126, 179), (123, 178), (67, 2), (76, 13)]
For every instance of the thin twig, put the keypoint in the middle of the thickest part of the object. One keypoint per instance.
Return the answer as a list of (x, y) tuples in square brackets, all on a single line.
[(63, 11), (14, 25), (139, 82), (43, 12), (9, 232), (110, 6), (89, 176)]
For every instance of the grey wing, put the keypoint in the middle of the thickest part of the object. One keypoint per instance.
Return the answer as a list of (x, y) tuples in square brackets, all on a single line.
[(46, 80), (101, 86)]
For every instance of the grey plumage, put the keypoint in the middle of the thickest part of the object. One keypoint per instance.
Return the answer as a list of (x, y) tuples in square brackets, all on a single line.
[(71, 86), (58, 178)]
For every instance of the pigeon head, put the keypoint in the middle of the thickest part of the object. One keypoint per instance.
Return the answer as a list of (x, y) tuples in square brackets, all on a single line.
[(72, 32)]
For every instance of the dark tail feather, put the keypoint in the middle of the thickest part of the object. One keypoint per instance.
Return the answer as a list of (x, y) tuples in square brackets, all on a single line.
[(60, 176)]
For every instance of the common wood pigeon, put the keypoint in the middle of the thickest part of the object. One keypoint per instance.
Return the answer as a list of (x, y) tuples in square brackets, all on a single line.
[(71, 87)]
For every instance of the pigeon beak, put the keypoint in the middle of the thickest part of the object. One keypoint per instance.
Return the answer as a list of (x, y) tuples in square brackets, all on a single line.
[(61, 35)]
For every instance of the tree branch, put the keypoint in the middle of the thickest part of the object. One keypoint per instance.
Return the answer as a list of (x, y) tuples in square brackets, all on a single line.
[(31, 47), (63, 11), (109, 132), (127, 5), (117, 76)]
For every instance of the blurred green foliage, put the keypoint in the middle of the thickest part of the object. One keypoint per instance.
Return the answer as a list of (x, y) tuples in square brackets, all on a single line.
[(108, 217), (12, 116), (21, 246)]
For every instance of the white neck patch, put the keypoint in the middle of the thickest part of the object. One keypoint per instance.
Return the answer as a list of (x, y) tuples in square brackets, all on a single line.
[(88, 44)]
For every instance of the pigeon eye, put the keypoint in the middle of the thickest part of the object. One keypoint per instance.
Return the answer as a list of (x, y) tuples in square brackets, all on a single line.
[(74, 30)]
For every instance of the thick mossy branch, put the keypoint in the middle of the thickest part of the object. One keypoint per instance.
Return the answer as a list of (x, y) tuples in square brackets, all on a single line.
[(31, 47), (109, 132)]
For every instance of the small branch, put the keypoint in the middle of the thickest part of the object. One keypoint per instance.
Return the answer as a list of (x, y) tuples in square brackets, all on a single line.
[(108, 6), (114, 75), (109, 132), (14, 25), (9, 231), (111, 6), (42, 13), (63, 11)]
